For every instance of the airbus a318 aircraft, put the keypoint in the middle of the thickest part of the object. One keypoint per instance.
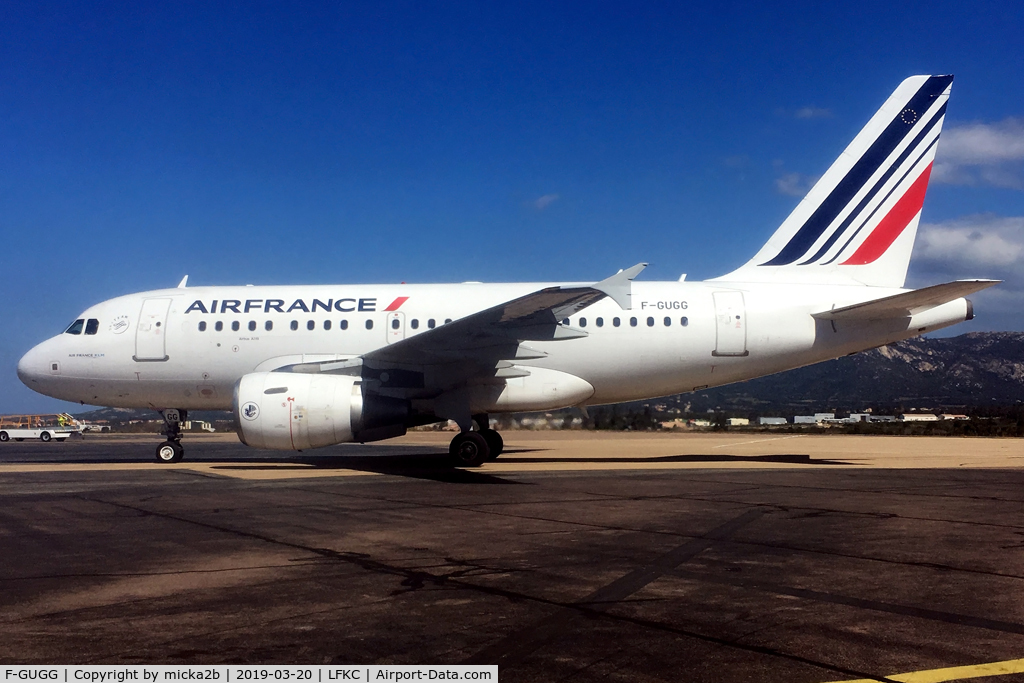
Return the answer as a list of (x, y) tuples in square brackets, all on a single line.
[(310, 366)]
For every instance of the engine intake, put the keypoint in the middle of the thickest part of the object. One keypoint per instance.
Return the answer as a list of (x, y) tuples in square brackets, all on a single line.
[(295, 411)]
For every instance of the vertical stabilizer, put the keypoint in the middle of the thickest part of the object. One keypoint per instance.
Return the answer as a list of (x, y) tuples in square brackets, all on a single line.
[(858, 223)]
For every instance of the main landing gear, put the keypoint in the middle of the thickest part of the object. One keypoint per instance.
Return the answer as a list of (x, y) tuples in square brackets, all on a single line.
[(171, 450), (472, 449)]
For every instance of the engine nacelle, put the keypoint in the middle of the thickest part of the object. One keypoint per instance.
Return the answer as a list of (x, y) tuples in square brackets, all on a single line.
[(294, 411)]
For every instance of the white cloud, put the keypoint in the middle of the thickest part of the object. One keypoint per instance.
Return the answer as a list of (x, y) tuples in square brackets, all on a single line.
[(983, 245), (984, 143), (813, 113), (545, 201), (795, 184), (982, 154), (981, 240)]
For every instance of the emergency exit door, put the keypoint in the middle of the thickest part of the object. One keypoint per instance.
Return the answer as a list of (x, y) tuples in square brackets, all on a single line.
[(396, 326), (151, 332), (730, 324)]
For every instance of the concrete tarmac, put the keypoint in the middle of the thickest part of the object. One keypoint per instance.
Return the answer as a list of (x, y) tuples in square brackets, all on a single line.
[(575, 556)]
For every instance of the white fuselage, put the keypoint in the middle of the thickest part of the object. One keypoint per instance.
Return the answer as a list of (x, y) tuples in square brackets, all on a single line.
[(160, 349)]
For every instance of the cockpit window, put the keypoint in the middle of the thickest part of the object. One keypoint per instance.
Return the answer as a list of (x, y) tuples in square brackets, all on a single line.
[(76, 327), (92, 326)]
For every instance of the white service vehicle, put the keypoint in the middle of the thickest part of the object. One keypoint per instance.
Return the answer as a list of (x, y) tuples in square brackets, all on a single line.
[(315, 365), (44, 434), (42, 427)]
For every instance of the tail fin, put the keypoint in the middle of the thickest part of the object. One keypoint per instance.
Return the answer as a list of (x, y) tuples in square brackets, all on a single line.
[(858, 223)]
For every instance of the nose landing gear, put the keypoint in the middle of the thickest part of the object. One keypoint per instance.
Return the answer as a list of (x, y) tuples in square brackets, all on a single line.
[(171, 450)]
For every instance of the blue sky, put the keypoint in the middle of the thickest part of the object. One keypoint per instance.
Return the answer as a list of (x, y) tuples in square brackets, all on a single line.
[(382, 142)]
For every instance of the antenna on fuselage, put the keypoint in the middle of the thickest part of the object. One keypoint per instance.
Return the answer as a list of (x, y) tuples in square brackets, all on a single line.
[(183, 283)]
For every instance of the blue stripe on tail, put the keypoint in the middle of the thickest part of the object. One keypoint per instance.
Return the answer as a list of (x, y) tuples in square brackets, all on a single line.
[(866, 166)]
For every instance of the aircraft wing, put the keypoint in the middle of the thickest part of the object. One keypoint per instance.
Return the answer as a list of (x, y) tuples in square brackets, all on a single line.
[(908, 303), (484, 342), (534, 317)]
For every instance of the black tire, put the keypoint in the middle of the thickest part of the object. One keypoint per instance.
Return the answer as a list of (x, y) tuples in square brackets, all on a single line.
[(469, 449), (4, 436), (169, 451), (45, 437), (494, 442)]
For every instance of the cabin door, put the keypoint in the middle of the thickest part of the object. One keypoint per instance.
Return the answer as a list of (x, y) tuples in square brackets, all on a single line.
[(730, 324), (151, 333)]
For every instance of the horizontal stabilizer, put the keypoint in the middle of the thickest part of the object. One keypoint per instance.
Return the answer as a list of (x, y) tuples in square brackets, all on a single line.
[(908, 303)]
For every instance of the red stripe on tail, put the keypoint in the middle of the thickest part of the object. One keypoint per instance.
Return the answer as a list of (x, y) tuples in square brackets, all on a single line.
[(894, 223)]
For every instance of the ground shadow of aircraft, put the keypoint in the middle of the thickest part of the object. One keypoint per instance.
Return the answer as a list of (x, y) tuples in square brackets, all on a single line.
[(432, 466), (417, 462), (789, 458)]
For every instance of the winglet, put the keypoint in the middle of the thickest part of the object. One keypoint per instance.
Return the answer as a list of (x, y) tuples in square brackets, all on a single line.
[(618, 288), (183, 283)]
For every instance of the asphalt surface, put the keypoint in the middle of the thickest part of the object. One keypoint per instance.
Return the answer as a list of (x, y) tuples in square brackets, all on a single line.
[(809, 573)]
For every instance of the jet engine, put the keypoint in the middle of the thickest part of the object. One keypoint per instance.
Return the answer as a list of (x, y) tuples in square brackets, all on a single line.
[(295, 411)]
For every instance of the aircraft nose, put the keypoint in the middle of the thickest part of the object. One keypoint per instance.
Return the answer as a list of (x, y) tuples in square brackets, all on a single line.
[(31, 367)]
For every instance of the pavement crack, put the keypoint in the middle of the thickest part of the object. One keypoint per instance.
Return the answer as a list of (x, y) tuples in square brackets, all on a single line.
[(513, 648), (859, 603)]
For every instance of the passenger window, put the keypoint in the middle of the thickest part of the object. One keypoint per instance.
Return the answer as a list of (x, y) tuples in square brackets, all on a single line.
[(565, 321), (599, 322), (343, 324), (269, 325), (684, 321), (668, 321), (632, 322), (92, 326), (447, 320), (415, 324), (310, 324), (431, 323), (615, 322), (202, 326), (369, 324), (252, 325), (583, 322), (650, 322), (327, 324), (234, 326), (76, 327), (395, 324), (295, 324), (219, 325)]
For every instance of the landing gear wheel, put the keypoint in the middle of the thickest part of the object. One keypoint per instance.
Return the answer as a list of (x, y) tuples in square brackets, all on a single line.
[(469, 449), (169, 451), (494, 442), (44, 437)]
